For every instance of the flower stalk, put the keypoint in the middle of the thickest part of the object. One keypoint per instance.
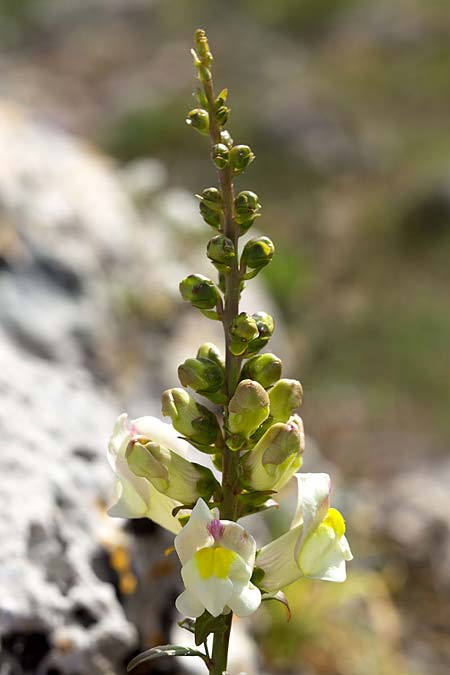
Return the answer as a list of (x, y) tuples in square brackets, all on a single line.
[(230, 465)]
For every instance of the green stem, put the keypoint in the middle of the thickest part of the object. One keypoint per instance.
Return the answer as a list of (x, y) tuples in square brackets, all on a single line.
[(230, 461), (220, 649)]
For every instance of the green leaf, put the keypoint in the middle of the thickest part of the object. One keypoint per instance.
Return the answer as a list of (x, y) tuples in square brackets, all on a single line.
[(163, 650), (279, 597), (206, 624), (187, 624)]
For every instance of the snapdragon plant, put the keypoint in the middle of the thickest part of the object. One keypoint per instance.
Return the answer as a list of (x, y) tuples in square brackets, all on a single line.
[(219, 462)]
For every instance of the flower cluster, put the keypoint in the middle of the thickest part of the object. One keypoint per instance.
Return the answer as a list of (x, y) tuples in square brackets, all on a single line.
[(229, 455)]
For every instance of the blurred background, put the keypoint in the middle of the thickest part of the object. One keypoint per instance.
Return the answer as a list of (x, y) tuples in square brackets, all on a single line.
[(346, 104)]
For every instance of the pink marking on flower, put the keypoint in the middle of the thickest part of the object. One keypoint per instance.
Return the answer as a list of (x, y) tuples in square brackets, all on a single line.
[(216, 529), (131, 428)]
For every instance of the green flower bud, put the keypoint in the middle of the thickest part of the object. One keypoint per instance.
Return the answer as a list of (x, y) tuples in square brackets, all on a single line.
[(190, 418), (242, 330), (212, 198), (202, 44), (221, 99), (201, 375), (222, 114), (240, 157), (220, 155), (211, 216), (246, 208), (285, 396), (221, 252), (248, 408), (198, 119), (264, 368), (170, 473), (276, 457), (266, 327), (200, 291), (226, 139), (209, 351), (257, 254)]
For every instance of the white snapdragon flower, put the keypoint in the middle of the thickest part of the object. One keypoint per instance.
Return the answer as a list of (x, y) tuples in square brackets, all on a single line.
[(315, 546), (217, 558), (136, 496)]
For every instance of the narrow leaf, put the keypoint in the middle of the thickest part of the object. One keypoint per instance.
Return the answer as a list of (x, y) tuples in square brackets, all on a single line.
[(206, 624), (187, 624), (163, 650), (279, 597)]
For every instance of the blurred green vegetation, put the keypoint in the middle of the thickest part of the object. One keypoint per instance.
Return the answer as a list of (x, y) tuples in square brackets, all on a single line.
[(346, 105)]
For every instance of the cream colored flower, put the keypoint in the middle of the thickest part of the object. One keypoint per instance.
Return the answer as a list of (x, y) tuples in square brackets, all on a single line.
[(136, 496), (217, 558), (315, 546)]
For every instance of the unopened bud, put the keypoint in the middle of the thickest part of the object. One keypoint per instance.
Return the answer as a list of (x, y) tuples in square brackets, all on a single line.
[(202, 44), (222, 115), (257, 254), (212, 198), (211, 216), (226, 139), (190, 418), (221, 99), (201, 375), (246, 207), (276, 457), (208, 350), (198, 119), (240, 157), (200, 291), (265, 325), (248, 408), (170, 473), (221, 252), (285, 397), (242, 330), (220, 155), (264, 368)]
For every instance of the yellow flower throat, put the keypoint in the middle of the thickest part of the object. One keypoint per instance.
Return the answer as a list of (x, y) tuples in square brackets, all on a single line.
[(214, 562)]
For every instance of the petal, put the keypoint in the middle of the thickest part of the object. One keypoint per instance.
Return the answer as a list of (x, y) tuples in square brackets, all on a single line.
[(323, 555), (160, 510), (188, 605), (213, 593), (129, 504), (245, 599), (313, 500), (195, 534), (119, 439), (160, 432), (277, 560), (237, 539)]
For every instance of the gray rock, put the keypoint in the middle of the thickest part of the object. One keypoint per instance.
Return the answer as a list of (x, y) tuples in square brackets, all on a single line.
[(54, 479)]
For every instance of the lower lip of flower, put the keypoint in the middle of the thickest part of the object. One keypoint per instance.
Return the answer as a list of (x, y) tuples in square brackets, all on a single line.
[(214, 562)]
